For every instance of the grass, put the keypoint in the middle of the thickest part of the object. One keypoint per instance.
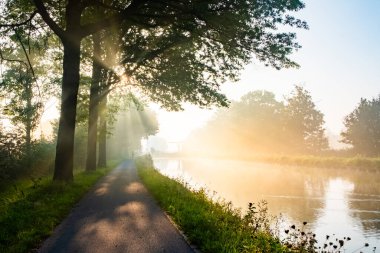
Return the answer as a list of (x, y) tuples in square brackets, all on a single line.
[(212, 226), (30, 210), (357, 162)]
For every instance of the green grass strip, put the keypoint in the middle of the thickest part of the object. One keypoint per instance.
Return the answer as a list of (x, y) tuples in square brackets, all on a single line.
[(30, 210), (212, 226), (357, 162)]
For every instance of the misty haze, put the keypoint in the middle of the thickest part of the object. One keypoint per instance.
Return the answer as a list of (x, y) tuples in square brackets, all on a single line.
[(189, 126)]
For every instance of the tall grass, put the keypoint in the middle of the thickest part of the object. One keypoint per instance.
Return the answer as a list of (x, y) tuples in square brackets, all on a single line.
[(30, 210)]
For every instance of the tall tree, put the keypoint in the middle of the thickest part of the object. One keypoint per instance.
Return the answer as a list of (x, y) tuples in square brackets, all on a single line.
[(21, 89), (304, 123), (363, 127), (213, 40), (93, 105)]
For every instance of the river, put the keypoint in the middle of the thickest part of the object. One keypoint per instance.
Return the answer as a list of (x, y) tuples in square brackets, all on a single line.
[(336, 202)]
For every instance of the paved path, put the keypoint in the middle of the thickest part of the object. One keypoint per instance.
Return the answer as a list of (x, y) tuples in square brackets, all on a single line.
[(119, 215)]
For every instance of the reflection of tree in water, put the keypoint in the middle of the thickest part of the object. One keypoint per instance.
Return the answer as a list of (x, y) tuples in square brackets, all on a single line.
[(299, 193), (365, 202), (288, 191)]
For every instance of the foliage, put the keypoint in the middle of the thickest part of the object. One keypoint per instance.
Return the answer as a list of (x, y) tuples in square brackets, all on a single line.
[(17, 84), (15, 162), (363, 127), (30, 210), (175, 51), (186, 58), (304, 123), (10, 155), (259, 124)]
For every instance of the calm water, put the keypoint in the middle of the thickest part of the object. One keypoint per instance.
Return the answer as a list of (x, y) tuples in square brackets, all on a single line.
[(342, 202)]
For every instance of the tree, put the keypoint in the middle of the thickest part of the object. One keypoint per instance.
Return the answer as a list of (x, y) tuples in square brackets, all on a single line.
[(259, 124), (304, 123), (212, 41), (260, 114), (251, 126), (363, 127), (21, 88), (93, 111)]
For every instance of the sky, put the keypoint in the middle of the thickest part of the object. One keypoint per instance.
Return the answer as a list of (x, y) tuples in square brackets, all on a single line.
[(339, 59)]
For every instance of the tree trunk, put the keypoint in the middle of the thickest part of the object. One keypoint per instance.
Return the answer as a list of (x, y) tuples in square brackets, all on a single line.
[(70, 84), (93, 109), (102, 162), (28, 123)]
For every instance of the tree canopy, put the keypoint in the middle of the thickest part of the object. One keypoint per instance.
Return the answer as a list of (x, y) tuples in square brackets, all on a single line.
[(304, 123), (172, 51), (363, 127)]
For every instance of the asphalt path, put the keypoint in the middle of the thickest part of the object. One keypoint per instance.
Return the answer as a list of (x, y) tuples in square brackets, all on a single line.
[(118, 215)]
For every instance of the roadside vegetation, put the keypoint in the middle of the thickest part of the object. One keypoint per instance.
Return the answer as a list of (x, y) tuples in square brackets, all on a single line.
[(31, 209), (333, 162), (211, 226), (216, 226)]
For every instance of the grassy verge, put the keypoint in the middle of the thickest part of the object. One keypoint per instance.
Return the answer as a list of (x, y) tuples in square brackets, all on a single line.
[(324, 162), (213, 227), (321, 161), (30, 210)]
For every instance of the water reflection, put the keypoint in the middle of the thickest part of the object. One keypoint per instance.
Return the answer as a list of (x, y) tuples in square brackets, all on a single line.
[(342, 202)]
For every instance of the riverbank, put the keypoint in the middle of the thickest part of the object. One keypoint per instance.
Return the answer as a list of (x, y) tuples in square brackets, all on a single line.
[(211, 226), (30, 210), (356, 162)]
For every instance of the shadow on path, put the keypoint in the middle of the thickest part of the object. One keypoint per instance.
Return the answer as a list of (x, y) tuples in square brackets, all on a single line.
[(118, 215)]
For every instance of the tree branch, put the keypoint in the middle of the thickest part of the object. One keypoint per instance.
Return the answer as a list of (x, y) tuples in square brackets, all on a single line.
[(25, 52), (92, 28), (21, 23), (48, 20), (116, 19)]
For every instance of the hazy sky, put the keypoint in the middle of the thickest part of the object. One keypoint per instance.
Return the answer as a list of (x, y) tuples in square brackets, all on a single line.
[(340, 63)]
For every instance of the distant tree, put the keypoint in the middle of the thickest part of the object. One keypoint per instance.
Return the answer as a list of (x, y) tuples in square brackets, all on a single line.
[(253, 125), (259, 120), (304, 123), (132, 125), (363, 127)]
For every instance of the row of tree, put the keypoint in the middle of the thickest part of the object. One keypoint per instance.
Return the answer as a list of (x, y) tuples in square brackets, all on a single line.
[(260, 124), (29, 79), (171, 51)]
